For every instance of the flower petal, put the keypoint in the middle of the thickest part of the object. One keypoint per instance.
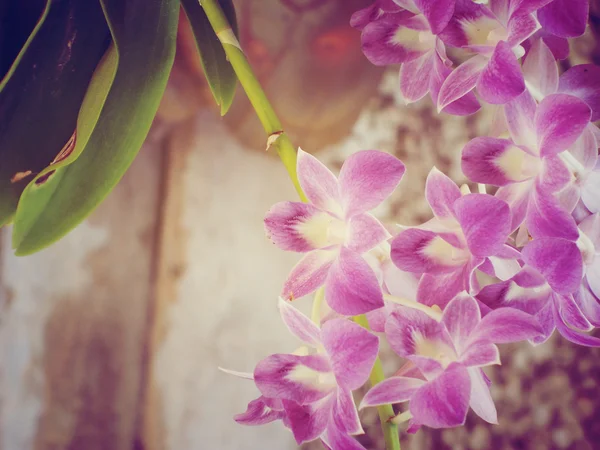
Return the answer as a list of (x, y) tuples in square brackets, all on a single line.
[(444, 401), (351, 287), (570, 313), (554, 19), (480, 354), (461, 81), (575, 336), (559, 260), (352, 351), (540, 70), (437, 12), (583, 81), (590, 192), (309, 274), (546, 217), (520, 116), (335, 438), (367, 178), (485, 221), (365, 232), (258, 413), (391, 390), (481, 399), (441, 193), (308, 422), (317, 182), (505, 325), (439, 289), (559, 121), (345, 413), (460, 317), (588, 303), (292, 377), (298, 324), (501, 79), (415, 77)]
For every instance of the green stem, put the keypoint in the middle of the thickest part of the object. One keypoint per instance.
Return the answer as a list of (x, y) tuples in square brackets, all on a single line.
[(269, 120), (386, 412)]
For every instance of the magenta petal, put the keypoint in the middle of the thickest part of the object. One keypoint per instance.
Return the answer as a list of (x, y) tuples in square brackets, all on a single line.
[(575, 336), (351, 287), (309, 274), (437, 12), (391, 390), (298, 324), (258, 413), (547, 218), (521, 27), (520, 115), (555, 19), (345, 412), (583, 81), (415, 77), (439, 289), (559, 121), (275, 377), (460, 317), (559, 260), (441, 193), (335, 439), (485, 221), (367, 178), (285, 222), (365, 232), (588, 303), (461, 81), (352, 351), (481, 399), (501, 79), (308, 422), (480, 354), (444, 401), (571, 314), (317, 182), (540, 69), (482, 161), (505, 325)]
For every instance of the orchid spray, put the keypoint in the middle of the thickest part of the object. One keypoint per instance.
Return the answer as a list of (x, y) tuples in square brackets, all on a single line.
[(536, 238)]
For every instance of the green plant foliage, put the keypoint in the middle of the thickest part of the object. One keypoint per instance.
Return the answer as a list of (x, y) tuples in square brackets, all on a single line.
[(113, 122), (41, 93), (219, 73)]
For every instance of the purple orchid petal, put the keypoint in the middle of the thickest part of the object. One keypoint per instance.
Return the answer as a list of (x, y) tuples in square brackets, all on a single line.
[(540, 69), (517, 196), (308, 422), (297, 227), (593, 277), (590, 192), (583, 81), (545, 317), (258, 413), (400, 283), (480, 354), (481, 399), (521, 27), (352, 351), (309, 274), (503, 268), (423, 251), (298, 324), (501, 79), (367, 178), (588, 303), (559, 260), (553, 17), (520, 114), (585, 149), (317, 182), (461, 81), (573, 335), (395, 38), (495, 161), (391, 390), (441, 193), (460, 318), (444, 401), (485, 221), (351, 287), (415, 77), (292, 377), (363, 17), (439, 289), (558, 46), (365, 232), (438, 13), (559, 121), (526, 6), (345, 412), (546, 217), (570, 313), (505, 325), (335, 439)]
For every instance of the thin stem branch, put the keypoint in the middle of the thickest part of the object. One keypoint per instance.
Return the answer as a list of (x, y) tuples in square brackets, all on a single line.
[(276, 136), (386, 412)]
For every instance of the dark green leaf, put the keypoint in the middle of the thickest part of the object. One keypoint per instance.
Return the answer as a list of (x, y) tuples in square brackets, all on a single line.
[(41, 94), (219, 73), (144, 33)]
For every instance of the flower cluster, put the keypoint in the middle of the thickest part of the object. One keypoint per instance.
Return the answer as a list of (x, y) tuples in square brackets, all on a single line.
[(487, 269)]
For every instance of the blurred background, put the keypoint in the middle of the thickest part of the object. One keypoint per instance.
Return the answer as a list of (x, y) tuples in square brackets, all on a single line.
[(111, 338)]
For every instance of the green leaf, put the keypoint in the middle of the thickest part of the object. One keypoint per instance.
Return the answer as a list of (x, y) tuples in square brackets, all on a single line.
[(144, 33), (219, 73), (41, 93)]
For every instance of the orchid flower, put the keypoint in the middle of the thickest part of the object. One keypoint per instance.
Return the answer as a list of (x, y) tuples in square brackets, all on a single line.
[(588, 295), (528, 167), (408, 36), (312, 393), (334, 230), (495, 34), (466, 232), (449, 354)]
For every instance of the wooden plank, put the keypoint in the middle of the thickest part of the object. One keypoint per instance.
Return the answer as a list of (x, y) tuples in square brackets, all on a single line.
[(74, 321)]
